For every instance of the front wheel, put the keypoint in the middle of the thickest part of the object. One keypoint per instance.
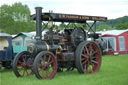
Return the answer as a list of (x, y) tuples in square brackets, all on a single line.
[(45, 65), (23, 64), (88, 57)]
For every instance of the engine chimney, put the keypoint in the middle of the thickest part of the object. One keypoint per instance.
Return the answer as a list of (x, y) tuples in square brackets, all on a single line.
[(38, 36)]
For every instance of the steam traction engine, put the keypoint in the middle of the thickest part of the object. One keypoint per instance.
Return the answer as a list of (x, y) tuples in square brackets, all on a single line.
[(66, 49)]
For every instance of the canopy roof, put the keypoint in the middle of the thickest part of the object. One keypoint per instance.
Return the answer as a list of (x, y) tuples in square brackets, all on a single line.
[(4, 34), (59, 17), (113, 32)]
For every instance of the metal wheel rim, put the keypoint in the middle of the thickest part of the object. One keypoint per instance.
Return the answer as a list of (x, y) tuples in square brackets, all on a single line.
[(90, 58), (47, 66), (24, 68)]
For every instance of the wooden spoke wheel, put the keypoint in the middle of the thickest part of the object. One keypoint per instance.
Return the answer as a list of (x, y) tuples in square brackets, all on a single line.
[(23, 64), (45, 65), (88, 57)]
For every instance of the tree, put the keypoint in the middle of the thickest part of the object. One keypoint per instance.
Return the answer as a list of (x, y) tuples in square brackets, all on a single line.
[(15, 19), (122, 26), (103, 27)]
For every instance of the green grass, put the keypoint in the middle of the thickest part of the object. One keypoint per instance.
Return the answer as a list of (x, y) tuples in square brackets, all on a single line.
[(114, 71)]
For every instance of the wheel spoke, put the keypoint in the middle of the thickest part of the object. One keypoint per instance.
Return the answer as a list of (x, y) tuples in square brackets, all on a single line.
[(50, 62), (24, 59), (87, 50), (41, 68), (93, 61), (91, 45), (29, 60), (42, 72), (49, 59), (23, 72), (85, 62), (47, 72), (84, 56), (90, 49), (93, 58), (94, 52), (82, 59)]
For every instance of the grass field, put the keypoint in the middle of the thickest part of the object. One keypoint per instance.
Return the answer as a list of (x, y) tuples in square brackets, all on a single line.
[(114, 71)]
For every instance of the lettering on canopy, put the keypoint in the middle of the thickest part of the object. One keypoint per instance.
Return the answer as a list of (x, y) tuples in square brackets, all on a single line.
[(63, 16)]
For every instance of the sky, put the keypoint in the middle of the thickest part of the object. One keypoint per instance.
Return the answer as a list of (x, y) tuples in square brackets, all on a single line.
[(108, 8)]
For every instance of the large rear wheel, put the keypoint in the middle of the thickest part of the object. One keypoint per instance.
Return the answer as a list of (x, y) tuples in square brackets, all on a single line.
[(88, 57), (45, 65)]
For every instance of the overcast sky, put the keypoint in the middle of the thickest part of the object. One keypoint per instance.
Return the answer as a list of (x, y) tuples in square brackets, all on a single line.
[(108, 8)]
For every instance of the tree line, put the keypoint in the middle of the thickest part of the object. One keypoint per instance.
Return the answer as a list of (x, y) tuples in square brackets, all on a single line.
[(15, 18), (120, 23)]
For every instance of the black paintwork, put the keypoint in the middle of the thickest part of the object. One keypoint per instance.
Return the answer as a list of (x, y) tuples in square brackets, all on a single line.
[(58, 17)]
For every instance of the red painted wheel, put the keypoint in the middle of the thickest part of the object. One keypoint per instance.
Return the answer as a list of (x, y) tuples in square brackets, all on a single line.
[(88, 57), (45, 65), (23, 64)]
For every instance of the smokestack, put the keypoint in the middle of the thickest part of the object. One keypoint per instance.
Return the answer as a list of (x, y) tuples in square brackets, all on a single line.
[(38, 36)]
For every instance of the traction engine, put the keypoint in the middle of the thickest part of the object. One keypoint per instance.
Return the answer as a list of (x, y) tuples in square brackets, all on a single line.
[(58, 50)]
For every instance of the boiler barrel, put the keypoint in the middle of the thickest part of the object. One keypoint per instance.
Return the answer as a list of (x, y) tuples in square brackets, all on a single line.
[(34, 48)]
